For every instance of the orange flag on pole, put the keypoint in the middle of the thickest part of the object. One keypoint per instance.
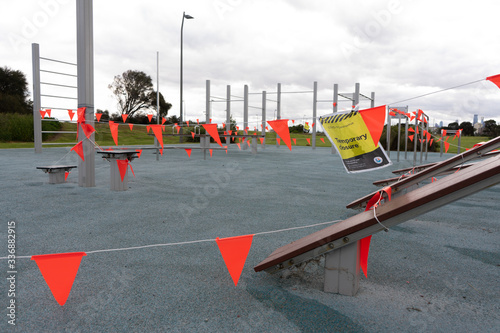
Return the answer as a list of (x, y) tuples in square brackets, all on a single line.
[(212, 130), (124, 117), (59, 271), (97, 116), (71, 114), (280, 126), (234, 251), (79, 150), (188, 151), (495, 79), (150, 117), (158, 134), (113, 127)]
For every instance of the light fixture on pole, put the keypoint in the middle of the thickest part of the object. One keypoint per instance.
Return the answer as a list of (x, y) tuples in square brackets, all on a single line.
[(184, 16)]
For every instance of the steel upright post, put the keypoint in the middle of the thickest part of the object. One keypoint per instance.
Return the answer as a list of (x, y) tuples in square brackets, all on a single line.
[(315, 105), (37, 119), (85, 62)]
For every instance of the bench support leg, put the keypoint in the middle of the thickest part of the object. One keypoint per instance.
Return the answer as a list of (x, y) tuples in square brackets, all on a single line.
[(254, 146), (342, 270), (116, 181), (56, 177)]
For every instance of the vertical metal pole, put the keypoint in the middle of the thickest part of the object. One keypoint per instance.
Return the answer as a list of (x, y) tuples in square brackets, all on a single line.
[(388, 134), (427, 143), (245, 110), (415, 140), (315, 105), (278, 111), (37, 119), (157, 102), (441, 144), (356, 95), (85, 62), (459, 143), (422, 140), (399, 132), (228, 113), (207, 102), (335, 97), (264, 95), (181, 78), (406, 136), (372, 104)]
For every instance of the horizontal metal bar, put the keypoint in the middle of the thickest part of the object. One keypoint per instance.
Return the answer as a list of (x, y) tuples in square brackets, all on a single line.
[(61, 132), (48, 107), (59, 85), (59, 96), (58, 143), (52, 72), (62, 62)]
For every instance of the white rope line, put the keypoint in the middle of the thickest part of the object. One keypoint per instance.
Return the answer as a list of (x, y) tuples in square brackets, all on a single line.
[(376, 218), (182, 243)]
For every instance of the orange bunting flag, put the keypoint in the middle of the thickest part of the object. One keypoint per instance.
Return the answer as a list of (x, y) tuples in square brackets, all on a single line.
[(430, 142), (161, 152), (198, 121), (495, 79), (42, 113), (392, 114), (131, 126), (210, 150), (124, 117), (308, 141), (188, 151), (239, 146), (322, 140), (139, 152), (446, 146), (374, 119), (428, 136), (163, 120), (148, 127), (192, 134), (48, 112), (411, 137), (122, 167), (178, 129), (80, 112), (113, 127), (87, 129), (163, 128), (278, 140), (248, 141), (237, 128), (97, 116), (71, 114), (443, 132), (280, 126), (66, 174), (187, 123), (158, 134), (234, 251), (150, 117), (212, 130), (293, 121), (59, 272), (229, 132), (78, 148), (411, 130), (294, 141), (261, 141)]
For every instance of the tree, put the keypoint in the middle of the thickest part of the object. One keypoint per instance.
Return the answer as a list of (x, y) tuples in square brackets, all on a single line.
[(134, 92), (467, 128), (14, 92), (491, 128), (452, 126)]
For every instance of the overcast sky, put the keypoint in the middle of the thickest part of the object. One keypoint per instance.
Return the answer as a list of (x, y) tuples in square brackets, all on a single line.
[(397, 49)]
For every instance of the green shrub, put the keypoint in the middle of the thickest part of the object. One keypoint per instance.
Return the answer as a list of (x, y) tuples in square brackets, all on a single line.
[(19, 127)]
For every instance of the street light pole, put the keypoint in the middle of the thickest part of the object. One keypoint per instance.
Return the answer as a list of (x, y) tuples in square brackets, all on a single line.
[(181, 83)]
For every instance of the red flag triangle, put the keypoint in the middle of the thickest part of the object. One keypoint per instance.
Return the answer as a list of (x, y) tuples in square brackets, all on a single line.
[(188, 151), (239, 146), (66, 174), (71, 114), (212, 130), (374, 119), (308, 141), (87, 130), (446, 146), (150, 117), (278, 140), (48, 112), (158, 134), (187, 123), (148, 127), (192, 134), (210, 150), (59, 271), (79, 150), (411, 137), (139, 152), (131, 126), (98, 116), (163, 120), (122, 167), (113, 127), (42, 113), (280, 126), (234, 251), (495, 79), (322, 140), (124, 117), (364, 251), (80, 112), (294, 141), (261, 140)]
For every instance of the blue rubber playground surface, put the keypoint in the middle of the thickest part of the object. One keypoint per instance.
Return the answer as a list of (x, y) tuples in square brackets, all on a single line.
[(437, 273)]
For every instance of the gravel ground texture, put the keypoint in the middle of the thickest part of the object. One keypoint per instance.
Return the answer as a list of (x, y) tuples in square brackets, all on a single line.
[(437, 273)]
